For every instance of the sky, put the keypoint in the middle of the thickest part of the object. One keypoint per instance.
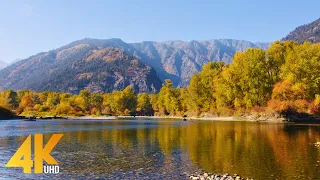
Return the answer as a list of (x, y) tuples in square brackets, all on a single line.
[(32, 26)]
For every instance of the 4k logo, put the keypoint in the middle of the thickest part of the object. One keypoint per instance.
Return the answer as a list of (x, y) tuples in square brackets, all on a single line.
[(22, 158)]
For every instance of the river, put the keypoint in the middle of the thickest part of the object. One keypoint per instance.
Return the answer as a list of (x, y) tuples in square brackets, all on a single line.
[(168, 149)]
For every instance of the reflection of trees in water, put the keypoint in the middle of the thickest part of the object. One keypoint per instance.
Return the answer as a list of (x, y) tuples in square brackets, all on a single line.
[(294, 129), (232, 147), (293, 151), (251, 149)]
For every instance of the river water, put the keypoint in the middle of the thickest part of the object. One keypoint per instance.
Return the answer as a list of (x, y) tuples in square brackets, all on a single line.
[(168, 149)]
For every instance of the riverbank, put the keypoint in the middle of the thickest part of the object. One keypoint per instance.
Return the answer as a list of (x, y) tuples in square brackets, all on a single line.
[(249, 118), (94, 117), (222, 118)]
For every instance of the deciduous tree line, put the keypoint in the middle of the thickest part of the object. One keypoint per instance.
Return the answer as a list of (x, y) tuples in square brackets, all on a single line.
[(284, 77)]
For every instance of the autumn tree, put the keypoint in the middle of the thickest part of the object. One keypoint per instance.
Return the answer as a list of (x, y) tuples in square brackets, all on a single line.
[(276, 57), (129, 100), (202, 87), (302, 66), (9, 99), (64, 108), (287, 95), (144, 105), (168, 99), (107, 104), (185, 100), (299, 78), (245, 83), (315, 106), (26, 103), (95, 102), (53, 99), (154, 102)]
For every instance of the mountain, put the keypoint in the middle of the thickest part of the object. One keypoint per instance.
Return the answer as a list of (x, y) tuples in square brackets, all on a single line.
[(83, 66), (179, 60), (68, 69), (308, 32), (3, 64)]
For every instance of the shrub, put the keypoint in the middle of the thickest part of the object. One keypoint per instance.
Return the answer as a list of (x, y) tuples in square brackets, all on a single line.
[(6, 113), (315, 106)]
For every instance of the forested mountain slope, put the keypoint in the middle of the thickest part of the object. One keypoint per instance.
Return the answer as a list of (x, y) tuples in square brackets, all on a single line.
[(308, 32), (83, 66)]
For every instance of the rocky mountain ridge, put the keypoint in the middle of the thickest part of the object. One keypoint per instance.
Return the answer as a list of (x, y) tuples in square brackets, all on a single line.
[(308, 32), (90, 64), (82, 66)]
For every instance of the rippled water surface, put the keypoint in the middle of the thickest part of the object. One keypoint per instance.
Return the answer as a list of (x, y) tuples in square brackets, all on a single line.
[(168, 149)]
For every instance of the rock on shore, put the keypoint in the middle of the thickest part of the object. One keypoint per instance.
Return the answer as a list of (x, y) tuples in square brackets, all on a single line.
[(208, 176)]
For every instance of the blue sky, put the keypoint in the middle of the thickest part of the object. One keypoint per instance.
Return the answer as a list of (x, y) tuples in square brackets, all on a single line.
[(29, 27)]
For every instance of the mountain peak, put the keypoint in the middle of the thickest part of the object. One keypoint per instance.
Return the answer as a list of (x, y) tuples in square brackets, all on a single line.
[(115, 42)]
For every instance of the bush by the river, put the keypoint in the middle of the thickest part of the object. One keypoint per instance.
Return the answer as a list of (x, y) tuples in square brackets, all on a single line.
[(6, 113)]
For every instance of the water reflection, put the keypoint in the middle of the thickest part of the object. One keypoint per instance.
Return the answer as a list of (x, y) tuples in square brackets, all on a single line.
[(163, 149)]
